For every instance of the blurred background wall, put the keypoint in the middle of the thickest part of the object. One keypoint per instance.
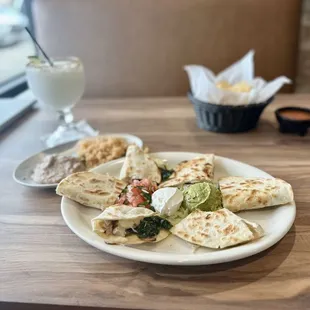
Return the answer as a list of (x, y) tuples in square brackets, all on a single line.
[(303, 79), (14, 57)]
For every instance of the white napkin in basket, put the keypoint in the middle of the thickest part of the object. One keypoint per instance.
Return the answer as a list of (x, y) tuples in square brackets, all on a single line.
[(203, 83)]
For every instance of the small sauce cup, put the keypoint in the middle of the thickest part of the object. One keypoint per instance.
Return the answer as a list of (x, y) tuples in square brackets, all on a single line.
[(293, 120)]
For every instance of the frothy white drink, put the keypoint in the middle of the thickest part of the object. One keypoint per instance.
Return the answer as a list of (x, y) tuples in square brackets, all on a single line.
[(60, 86)]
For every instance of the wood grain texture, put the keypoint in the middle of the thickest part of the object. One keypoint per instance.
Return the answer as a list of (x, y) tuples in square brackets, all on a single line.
[(42, 262)]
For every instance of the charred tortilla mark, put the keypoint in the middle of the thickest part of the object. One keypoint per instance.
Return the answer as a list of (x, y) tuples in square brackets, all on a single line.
[(231, 198), (194, 239), (255, 182), (183, 162), (85, 199), (97, 192), (250, 198), (229, 229), (94, 181), (226, 186), (222, 212)]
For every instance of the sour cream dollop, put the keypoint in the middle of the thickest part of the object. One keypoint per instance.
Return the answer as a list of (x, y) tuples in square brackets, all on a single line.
[(167, 201)]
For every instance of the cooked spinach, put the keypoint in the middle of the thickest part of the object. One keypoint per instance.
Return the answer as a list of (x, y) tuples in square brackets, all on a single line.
[(147, 196), (165, 174), (150, 227), (125, 190), (143, 204)]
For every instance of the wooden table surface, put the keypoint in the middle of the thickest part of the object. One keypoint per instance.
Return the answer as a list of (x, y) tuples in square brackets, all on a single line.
[(43, 262)]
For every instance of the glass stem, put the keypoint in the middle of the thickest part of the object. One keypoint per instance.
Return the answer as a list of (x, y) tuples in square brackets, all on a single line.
[(65, 117)]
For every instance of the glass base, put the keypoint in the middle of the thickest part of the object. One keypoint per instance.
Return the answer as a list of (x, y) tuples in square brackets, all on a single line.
[(70, 132)]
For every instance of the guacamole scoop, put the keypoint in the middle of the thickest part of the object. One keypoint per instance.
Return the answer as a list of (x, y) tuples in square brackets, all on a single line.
[(204, 196)]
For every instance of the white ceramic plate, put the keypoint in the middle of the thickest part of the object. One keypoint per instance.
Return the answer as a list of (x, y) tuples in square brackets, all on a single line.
[(276, 222), (24, 170)]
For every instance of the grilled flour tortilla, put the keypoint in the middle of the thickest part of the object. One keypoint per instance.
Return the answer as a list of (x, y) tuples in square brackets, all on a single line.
[(216, 230), (91, 189), (117, 225), (139, 165), (192, 171), (240, 193)]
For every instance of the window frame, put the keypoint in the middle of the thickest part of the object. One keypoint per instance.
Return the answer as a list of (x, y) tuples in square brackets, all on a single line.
[(18, 83)]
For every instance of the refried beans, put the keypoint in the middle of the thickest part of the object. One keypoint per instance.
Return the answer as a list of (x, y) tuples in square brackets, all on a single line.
[(54, 168)]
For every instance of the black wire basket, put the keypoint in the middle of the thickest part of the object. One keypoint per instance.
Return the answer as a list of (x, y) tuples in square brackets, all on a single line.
[(227, 118)]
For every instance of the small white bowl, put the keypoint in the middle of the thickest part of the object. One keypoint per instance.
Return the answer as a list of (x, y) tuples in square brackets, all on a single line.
[(22, 173)]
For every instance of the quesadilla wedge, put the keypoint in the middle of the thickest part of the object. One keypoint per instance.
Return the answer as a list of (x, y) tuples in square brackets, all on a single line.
[(217, 230), (240, 193), (192, 171), (139, 165), (121, 224), (91, 189)]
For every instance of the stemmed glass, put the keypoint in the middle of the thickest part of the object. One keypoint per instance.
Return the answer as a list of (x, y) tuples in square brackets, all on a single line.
[(60, 86)]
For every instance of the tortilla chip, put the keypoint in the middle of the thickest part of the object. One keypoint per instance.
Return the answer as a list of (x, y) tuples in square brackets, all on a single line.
[(123, 212), (91, 189), (192, 171), (216, 230), (254, 193), (139, 165)]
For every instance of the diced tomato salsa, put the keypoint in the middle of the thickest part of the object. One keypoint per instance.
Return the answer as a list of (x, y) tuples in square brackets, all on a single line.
[(138, 193)]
